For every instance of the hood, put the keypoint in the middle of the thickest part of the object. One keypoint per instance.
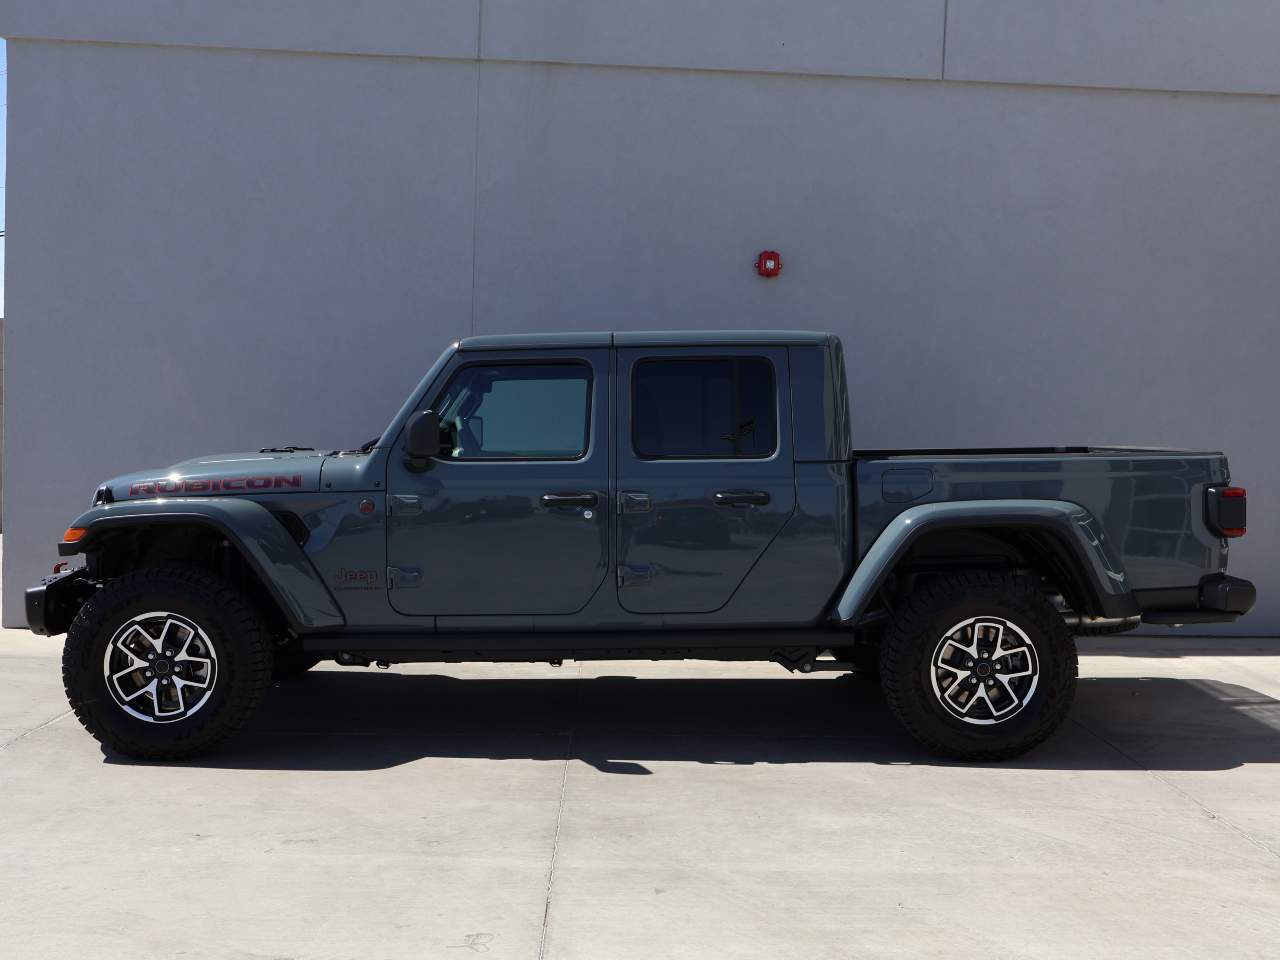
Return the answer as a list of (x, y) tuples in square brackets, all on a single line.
[(225, 474)]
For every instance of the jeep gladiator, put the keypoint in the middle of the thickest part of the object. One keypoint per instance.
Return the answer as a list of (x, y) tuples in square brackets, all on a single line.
[(634, 496)]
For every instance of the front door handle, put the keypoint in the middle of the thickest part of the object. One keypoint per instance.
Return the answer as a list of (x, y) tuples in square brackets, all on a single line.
[(741, 498), (574, 499)]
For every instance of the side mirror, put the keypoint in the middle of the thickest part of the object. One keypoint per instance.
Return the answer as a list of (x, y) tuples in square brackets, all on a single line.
[(423, 439)]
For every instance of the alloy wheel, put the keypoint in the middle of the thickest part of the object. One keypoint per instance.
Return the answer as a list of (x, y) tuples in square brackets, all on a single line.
[(160, 667), (984, 670)]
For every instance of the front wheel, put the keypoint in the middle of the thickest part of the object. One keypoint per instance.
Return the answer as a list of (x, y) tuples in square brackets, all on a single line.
[(978, 666), (164, 664)]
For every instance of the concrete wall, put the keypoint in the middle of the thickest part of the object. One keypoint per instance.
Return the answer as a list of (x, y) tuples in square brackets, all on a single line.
[(1031, 221)]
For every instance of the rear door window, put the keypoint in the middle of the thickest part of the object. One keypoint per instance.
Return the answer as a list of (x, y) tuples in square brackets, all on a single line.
[(719, 408)]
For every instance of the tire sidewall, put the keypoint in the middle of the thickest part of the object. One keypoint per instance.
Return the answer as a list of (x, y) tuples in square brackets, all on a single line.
[(111, 608), (911, 674)]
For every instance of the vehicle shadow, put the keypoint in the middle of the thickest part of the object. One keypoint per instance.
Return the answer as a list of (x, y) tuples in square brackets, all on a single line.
[(349, 720), (1167, 645)]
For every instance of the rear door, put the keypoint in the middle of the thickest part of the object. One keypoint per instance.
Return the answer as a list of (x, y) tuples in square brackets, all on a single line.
[(705, 472)]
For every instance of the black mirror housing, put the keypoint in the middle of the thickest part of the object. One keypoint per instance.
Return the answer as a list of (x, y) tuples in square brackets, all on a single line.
[(423, 439)]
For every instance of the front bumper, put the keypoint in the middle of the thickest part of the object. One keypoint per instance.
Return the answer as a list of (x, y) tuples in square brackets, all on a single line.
[(1218, 599), (54, 602)]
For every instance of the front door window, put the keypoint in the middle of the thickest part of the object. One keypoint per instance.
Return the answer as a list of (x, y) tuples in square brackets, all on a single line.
[(519, 411)]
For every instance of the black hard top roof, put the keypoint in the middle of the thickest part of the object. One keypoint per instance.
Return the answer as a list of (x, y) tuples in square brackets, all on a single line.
[(643, 338)]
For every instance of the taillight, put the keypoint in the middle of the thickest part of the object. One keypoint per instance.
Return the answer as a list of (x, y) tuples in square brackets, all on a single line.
[(1225, 510)]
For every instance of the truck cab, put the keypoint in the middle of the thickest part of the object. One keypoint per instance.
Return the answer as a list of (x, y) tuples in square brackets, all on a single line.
[(655, 472)]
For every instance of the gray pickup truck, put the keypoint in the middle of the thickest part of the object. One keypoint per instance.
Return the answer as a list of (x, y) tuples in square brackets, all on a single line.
[(634, 496)]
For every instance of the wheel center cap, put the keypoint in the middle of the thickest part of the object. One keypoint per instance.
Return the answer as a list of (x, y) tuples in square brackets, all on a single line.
[(161, 667), (983, 669)]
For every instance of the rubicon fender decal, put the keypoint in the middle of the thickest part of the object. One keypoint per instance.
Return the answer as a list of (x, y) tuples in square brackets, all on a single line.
[(169, 488)]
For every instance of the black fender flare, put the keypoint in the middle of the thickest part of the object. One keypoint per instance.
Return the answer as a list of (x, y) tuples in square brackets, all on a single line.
[(280, 564), (1072, 526)]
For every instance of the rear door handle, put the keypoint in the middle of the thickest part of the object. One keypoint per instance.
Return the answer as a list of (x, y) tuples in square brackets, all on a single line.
[(741, 498), (574, 499)]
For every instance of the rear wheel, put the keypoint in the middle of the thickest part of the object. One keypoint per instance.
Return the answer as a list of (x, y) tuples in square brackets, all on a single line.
[(165, 663), (978, 666)]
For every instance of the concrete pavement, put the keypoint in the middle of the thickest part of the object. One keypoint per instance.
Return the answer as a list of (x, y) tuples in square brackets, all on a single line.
[(640, 810)]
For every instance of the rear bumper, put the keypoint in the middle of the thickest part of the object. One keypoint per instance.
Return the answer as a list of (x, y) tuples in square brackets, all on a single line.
[(1218, 599)]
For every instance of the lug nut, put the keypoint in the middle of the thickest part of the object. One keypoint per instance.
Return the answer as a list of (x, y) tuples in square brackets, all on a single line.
[(991, 683), (968, 663), (973, 679), (148, 673), (151, 656), (168, 653), (983, 654), (165, 681)]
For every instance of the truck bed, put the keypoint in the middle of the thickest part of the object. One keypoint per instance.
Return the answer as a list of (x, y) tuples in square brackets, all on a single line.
[(1148, 500)]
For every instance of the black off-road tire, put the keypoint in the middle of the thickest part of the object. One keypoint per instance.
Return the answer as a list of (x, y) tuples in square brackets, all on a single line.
[(919, 625), (232, 625), (287, 664)]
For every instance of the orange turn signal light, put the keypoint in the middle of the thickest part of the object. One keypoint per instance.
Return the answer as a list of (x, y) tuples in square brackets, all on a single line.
[(74, 534)]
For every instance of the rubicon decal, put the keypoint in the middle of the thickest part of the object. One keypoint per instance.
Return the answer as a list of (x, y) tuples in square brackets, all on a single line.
[(169, 488)]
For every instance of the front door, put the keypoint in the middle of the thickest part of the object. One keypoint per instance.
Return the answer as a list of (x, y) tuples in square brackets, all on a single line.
[(705, 472), (514, 519)]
